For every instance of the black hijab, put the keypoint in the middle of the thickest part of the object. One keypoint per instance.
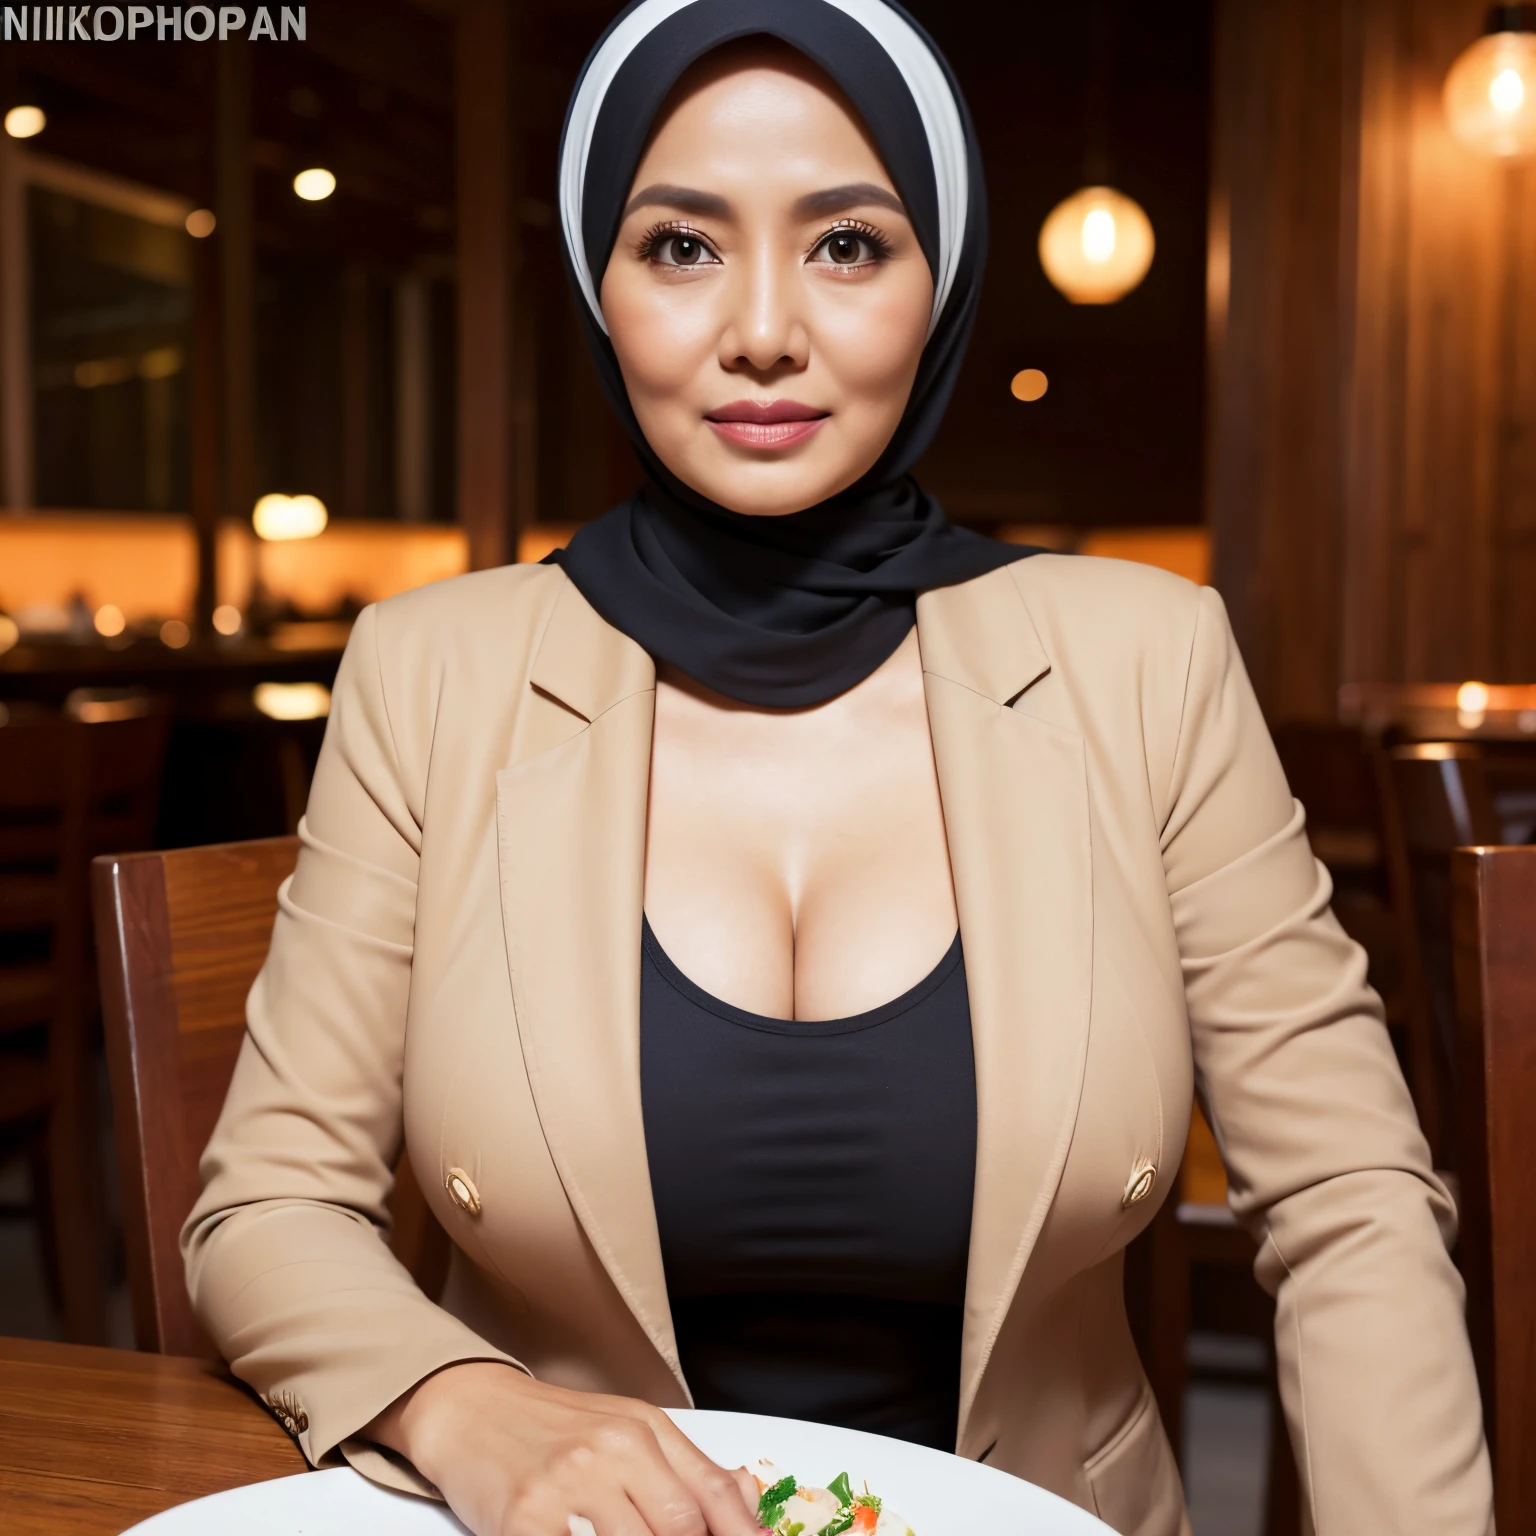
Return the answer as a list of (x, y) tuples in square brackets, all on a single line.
[(780, 611)]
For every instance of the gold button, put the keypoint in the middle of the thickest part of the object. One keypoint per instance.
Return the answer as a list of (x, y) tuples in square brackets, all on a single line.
[(462, 1191), (1143, 1177)]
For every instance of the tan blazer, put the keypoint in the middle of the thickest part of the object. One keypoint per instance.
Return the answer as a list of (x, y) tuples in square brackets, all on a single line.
[(457, 960)]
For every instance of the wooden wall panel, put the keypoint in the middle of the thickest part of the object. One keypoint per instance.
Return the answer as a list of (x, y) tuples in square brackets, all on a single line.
[(1373, 476), (1452, 311), (1516, 571), (1275, 425), (492, 414)]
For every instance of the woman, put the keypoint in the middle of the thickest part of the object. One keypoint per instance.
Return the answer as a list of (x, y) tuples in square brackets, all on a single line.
[(787, 933)]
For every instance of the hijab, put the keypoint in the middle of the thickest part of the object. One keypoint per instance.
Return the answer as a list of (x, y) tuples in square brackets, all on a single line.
[(784, 611)]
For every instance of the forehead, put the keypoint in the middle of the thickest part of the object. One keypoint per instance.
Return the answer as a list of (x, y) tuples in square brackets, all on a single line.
[(777, 120)]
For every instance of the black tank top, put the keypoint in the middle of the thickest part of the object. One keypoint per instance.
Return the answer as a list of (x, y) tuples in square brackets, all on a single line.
[(813, 1187)]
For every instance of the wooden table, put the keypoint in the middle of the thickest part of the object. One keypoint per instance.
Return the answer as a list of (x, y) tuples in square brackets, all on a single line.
[(95, 1440)]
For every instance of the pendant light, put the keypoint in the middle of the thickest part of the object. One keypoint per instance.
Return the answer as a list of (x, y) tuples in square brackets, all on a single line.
[(1490, 92), (1097, 245)]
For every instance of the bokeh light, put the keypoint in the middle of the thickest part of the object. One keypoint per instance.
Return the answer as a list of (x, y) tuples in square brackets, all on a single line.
[(314, 185)]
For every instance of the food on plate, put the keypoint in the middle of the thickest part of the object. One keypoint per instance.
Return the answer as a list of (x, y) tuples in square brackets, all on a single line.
[(788, 1508)]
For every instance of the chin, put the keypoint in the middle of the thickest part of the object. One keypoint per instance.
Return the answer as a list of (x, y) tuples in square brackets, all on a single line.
[(765, 490)]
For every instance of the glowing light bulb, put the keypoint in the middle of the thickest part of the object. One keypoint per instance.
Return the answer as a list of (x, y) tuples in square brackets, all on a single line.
[(292, 701), (109, 620), (226, 619), (201, 223), (1099, 235), (1489, 102), (314, 185), (1471, 705), (1507, 92), (1472, 697), (1097, 245), (25, 122), (289, 517)]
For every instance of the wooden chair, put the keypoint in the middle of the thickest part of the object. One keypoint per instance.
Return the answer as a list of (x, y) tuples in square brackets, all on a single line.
[(1494, 916), (1436, 797), (68, 789), (181, 937)]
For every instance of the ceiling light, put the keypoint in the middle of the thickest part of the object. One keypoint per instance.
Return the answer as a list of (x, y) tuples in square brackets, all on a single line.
[(1490, 92), (314, 185), (1096, 246), (25, 122)]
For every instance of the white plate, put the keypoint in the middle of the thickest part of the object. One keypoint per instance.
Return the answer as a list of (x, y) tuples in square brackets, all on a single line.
[(938, 1494)]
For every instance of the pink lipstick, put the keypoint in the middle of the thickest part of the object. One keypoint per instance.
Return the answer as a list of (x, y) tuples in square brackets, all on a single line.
[(770, 424)]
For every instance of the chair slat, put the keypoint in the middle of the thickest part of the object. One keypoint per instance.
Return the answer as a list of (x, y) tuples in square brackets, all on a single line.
[(1495, 953)]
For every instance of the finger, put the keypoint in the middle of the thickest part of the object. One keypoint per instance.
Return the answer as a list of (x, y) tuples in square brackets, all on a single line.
[(649, 1479), (613, 1513), (728, 1499), (747, 1484)]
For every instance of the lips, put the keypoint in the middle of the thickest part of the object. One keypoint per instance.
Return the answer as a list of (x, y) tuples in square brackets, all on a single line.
[(766, 424)]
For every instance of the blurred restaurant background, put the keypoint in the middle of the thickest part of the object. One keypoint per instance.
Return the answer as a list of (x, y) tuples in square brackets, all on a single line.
[(284, 330)]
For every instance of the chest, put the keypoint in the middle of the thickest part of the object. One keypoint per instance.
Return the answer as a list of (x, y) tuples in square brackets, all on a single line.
[(796, 862)]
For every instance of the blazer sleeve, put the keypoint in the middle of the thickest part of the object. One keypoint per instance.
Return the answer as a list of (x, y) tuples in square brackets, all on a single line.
[(287, 1257), (1326, 1163)]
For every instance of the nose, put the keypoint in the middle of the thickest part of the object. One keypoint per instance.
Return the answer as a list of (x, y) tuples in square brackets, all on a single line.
[(764, 332)]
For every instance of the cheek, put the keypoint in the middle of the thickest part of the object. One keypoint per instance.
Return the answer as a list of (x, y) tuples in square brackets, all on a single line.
[(660, 339), (871, 343)]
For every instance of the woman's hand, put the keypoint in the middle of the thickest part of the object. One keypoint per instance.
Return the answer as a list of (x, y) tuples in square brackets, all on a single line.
[(514, 1457)]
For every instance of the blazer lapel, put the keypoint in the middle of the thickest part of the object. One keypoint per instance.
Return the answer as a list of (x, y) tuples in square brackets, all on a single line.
[(1015, 798), (571, 813)]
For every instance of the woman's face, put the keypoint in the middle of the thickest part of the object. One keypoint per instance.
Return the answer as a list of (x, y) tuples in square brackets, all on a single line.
[(766, 297)]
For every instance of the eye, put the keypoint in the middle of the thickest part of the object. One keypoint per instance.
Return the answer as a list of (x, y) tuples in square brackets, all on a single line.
[(680, 249), (851, 248)]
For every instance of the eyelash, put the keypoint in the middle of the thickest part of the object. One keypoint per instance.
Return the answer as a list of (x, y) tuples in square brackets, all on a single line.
[(650, 244), (877, 242)]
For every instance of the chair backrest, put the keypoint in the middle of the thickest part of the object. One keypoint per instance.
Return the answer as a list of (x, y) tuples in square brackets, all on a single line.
[(182, 935), (1435, 798), (69, 790), (1495, 946), (106, 773)]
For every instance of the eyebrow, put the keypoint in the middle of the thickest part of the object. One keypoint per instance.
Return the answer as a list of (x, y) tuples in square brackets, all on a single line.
[(706, 205), (857, 194), (710, 205)]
